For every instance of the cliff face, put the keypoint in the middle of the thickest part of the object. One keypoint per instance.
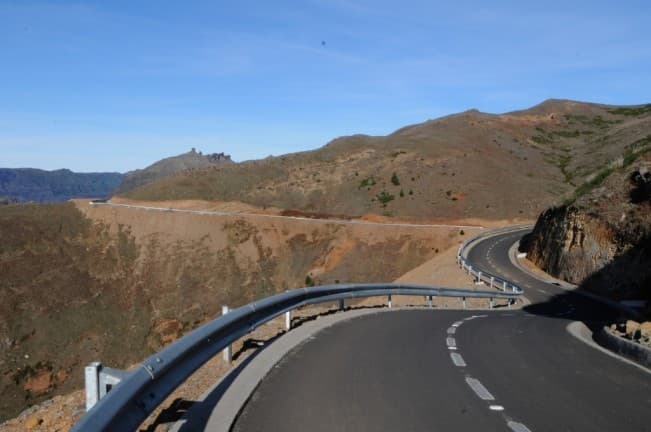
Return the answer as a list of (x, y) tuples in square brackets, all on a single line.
[(602, 241), (570, 244)]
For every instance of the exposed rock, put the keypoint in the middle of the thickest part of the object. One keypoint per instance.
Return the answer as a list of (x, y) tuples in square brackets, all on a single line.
[(33, 422), (645, 329), (168, 330), (39, 383), (632, 328), (601, 241)]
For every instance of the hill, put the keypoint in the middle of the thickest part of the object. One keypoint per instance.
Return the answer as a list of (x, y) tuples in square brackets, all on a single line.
[(470, 164), (29, 184), (172, 165)]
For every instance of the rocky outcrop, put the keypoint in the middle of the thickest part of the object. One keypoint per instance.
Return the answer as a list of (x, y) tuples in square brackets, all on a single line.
[(570, 244), (601, 241)]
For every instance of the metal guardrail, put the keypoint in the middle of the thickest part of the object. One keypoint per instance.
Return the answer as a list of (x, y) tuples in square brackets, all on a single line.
[(141, 390), (483, 276), (135, 394)]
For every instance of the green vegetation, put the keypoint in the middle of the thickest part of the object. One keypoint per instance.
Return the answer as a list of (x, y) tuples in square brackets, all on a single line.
[(636, 149), (563, 162), (597, 121), (543, 138), (402, 193), (631, 111), (395, 180), (411, 192), (591, 184), (309, 281), (567, 134), (462, 232), (367, 182), (385, 197)]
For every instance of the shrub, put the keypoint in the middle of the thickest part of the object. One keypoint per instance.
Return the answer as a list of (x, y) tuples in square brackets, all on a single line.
[(384, 197), (395, 180), (309, 281), (369, 181)]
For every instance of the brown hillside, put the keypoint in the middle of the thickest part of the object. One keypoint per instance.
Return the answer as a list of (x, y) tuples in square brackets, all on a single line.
[(115, 284), (470, 164)]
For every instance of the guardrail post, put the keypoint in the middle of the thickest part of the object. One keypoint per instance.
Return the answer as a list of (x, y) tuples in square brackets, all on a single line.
[(91, 379), (492, 279), (464, 302), (478, 278), (389, 301), (490, 304), (341, 304), (288, 320), (513, 286), (469, 269), (504, 286), (509, 303), (429, 301), (228, 351)]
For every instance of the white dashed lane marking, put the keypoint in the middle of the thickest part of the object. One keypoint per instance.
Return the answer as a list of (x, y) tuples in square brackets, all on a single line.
[(457, 359), (452, 330), (451, 342), (479, 389), (496, 408), (518, 427)]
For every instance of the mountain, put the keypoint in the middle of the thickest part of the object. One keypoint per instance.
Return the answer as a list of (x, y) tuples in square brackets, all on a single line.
[(29, 184), (169, 166), (470, 164)]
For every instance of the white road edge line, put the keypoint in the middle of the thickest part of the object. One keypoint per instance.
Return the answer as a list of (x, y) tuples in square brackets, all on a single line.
[(479, 389)]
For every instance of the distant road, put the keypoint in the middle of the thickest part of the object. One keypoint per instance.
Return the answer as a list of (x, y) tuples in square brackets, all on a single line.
[(421, 370), (271, 216)]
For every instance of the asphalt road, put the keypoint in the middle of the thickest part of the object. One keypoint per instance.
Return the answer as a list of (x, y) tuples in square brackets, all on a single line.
[(421, 370)]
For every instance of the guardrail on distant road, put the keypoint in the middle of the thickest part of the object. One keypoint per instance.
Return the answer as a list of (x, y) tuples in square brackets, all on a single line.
[(483, 276)]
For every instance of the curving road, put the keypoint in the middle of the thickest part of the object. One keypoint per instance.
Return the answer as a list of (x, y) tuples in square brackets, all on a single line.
[(421, 370)]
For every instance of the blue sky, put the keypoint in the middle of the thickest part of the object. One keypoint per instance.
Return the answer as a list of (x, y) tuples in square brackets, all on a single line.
[(116, 85)]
